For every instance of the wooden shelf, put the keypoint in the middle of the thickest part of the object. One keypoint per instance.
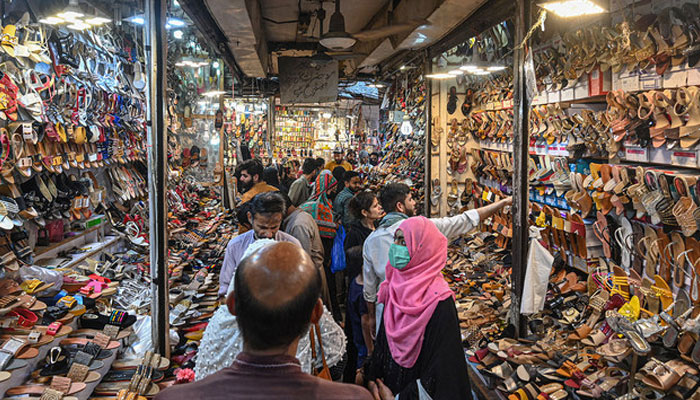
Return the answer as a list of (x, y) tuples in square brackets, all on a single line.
[(40, 250), (109, 240)]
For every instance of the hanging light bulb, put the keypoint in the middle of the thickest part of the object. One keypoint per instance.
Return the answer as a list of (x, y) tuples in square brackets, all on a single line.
[(572, 8)]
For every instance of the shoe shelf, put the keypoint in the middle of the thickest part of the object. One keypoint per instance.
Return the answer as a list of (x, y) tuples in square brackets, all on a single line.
[(41, 252), (22, 375)]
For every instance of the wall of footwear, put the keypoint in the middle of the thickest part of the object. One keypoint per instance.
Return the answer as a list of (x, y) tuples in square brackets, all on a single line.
[(402, 128), (613, 171), (74, 266)]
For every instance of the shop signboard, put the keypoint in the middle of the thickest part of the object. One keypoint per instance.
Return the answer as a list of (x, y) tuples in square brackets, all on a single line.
[(305, 80)]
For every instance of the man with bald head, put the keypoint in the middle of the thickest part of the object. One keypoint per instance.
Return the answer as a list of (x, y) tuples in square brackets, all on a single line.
[(275, 299)]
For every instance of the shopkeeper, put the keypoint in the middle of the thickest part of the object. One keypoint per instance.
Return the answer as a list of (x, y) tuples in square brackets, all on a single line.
[(338, 160), (399, 204), (267, 211), (250, 180)]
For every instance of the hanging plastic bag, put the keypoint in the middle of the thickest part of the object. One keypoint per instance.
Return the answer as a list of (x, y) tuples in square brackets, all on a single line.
[(539, 267), (338, 251)]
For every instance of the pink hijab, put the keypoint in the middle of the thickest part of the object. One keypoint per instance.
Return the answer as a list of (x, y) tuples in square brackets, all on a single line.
[(411, 295)]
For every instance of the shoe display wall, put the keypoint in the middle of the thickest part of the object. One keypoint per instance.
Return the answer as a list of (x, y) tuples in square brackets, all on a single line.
[(404, 155), (613, 171)]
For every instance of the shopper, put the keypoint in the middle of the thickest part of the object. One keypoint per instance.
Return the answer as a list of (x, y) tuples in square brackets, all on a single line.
[(351, 158), (267, 211), (300, 190), (250, 180), (397, 201), (321, 163), (302, 226), (338, 160), (419, 345), (289, 173), (275, 300), (374, 158), (367, 210), (339, 175), (321, 209), (365, 167), (352, 183), (271, 177)]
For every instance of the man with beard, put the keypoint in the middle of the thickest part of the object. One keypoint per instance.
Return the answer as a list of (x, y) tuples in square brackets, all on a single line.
[(399, 204), (250, 180), (265, 215), (338, 161), (374, 158)]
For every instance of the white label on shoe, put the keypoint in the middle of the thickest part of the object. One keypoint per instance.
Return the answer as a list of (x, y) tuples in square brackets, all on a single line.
[(27, 131), (21, 51), (685, 158), (636, 154), (92, 157)]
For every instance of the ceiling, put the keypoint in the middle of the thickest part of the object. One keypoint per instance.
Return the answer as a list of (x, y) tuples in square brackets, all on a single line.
[(260, 31)]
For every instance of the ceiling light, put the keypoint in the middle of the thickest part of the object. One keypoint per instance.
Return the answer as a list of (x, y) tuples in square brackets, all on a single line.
[(137, 19), (496, 68), (176, 21), (326, 115), (52, 20), (70, 15), (78, 26), (572, 8), (403, 67), (469, 67), (336, 38), (96, 21), (178, 34), (439, 76), (456, 72), (480, 72)]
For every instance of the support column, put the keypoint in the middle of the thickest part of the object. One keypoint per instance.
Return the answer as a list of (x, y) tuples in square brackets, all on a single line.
[(427, 189), (157, 173), (521, 116)]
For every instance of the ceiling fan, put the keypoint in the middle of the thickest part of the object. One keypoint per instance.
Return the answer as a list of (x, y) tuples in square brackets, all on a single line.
[(338, 39)]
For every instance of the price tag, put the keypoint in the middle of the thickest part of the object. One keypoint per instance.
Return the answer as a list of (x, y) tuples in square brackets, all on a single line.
[(627, 83), (581, 89), (541, 149), (649, 82), (554, 97), (675, 79), (637, 154), (567, 94), (685, 158), (694, 76)]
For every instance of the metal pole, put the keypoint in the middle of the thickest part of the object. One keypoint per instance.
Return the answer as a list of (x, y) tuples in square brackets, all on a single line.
[(271, 123), (157, 169), (427, 137), (521, 115)]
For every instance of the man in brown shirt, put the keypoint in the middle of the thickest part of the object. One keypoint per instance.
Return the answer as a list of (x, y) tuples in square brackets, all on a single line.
[(275, 298)]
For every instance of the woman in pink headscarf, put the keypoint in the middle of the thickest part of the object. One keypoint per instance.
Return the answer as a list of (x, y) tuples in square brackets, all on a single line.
[(418, 352)]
